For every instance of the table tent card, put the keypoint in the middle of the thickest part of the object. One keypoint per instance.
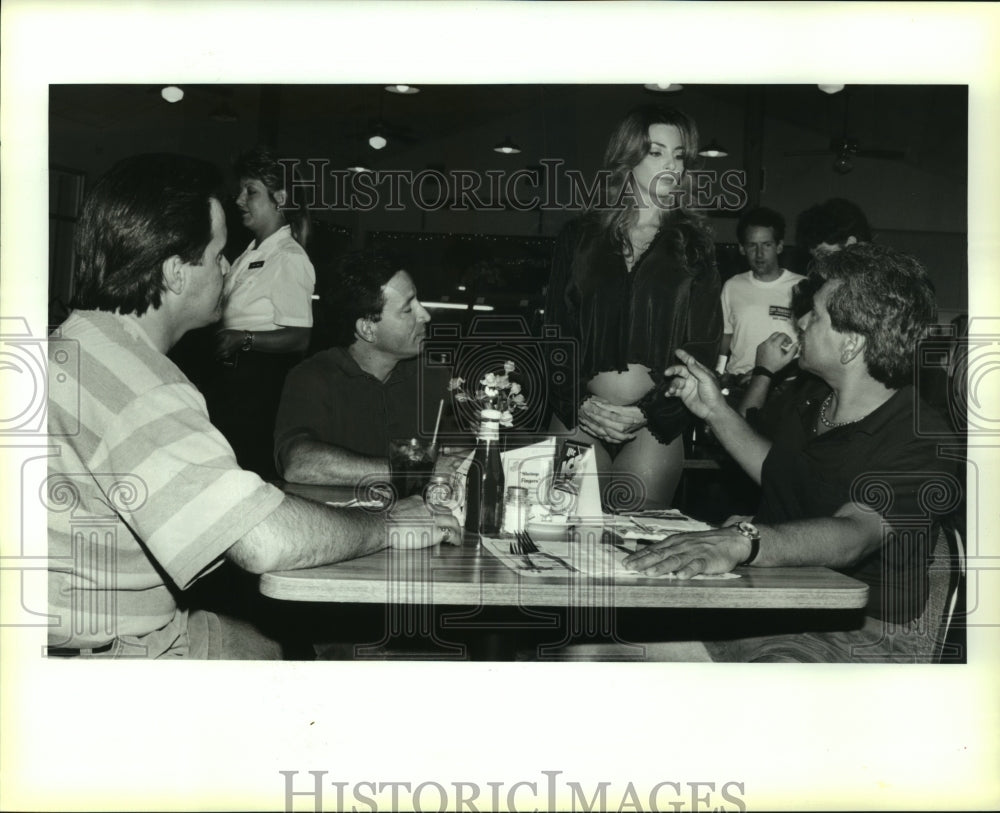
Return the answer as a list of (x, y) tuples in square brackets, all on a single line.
[(558, 488)]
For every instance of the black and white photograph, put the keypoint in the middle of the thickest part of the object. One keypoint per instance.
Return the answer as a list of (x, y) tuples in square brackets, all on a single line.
[(395, 414)]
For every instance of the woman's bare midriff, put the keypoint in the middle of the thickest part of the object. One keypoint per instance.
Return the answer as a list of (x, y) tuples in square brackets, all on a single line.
[(622, 388)]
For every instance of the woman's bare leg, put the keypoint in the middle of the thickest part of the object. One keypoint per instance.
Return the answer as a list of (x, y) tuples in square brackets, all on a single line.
[(657, 466)]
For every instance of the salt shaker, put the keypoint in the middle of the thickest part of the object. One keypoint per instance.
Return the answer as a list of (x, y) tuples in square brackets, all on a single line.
[(515, 509)]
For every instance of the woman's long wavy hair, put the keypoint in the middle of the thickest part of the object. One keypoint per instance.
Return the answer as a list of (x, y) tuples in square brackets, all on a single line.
[(262, 165), (628, 146)]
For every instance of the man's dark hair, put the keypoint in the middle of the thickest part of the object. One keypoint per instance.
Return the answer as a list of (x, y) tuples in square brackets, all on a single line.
[(143, 211), (887, 297), (355, 291), (831, 222), (761, 216)]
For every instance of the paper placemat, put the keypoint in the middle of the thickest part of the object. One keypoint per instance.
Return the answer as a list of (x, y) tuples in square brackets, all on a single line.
[(596, 559)]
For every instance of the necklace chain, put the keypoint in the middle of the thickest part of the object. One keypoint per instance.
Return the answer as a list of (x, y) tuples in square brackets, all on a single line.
[(834, 424)]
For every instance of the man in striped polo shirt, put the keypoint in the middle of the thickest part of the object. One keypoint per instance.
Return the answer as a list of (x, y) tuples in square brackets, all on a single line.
[(145, 495)]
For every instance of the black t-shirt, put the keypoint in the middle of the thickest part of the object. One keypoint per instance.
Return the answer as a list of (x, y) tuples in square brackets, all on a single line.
[(881, 462), (328, 397)]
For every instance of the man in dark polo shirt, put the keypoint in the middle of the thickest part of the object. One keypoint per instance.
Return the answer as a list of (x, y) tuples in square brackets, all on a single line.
[(340, 407), (846, 480)]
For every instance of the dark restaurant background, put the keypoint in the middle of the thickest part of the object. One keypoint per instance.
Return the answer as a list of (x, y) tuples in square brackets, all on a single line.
[(914, 190)]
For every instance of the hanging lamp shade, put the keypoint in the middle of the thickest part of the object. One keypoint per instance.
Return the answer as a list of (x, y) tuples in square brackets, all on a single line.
[(507, 147), (713, 150)]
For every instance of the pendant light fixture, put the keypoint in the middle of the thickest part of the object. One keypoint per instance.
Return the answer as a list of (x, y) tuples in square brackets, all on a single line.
[(713, 150), (507, 147), (377, 141)]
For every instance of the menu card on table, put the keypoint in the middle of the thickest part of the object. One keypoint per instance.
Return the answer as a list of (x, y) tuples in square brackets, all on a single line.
[(559, 489)]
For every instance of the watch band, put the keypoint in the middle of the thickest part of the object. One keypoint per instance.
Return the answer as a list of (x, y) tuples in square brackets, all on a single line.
[(759, 370), (754, 550), (750, 532)]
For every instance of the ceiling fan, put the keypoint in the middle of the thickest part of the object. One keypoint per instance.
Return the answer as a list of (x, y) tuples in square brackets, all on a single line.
[(846, 147)]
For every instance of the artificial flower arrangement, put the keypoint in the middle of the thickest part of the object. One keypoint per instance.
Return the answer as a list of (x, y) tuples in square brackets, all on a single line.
[(497, 396)]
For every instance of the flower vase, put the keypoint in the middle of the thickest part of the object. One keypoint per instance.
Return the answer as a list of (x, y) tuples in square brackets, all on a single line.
[(485, 483)]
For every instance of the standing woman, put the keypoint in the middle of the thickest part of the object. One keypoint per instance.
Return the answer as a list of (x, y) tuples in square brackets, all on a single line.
[(634, 279), (266, 312)]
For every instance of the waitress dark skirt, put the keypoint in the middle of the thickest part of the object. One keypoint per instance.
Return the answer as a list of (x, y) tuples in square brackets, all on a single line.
[(243, 403)]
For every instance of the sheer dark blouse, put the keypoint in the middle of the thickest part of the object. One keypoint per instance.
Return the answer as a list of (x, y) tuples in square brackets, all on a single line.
[(670, 299)]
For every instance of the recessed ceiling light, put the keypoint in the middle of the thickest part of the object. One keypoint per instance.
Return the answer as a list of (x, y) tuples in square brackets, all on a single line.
[(664, 87), (405, 90), (831, 88), (172, 94)]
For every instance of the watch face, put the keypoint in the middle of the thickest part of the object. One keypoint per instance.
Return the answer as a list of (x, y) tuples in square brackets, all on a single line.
[(748, 529)]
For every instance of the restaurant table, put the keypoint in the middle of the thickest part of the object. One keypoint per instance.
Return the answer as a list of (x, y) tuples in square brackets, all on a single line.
[(470, 575)]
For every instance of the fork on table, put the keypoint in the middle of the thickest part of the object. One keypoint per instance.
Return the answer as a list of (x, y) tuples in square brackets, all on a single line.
[(646, 529), (522, 546)]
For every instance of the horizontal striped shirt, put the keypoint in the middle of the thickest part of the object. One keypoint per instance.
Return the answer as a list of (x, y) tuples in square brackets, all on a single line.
[(144, 494)]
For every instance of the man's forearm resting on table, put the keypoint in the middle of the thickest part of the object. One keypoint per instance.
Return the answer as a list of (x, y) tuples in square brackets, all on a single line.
[(301, 533), (739, 439), (838, 541), (305, 460)]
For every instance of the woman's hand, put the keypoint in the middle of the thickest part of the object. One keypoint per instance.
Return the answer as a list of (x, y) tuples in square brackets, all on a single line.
[(688, 554), (610, 422), (776, 351), (695, 385), (227, 342)]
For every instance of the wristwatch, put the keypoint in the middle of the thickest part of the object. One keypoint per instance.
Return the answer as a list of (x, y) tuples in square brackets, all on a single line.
[(761, 370), (247, 341), (750, 531)]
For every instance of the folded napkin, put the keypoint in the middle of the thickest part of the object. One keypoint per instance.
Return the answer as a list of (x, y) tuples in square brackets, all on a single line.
[(588, 556), (660, 525)]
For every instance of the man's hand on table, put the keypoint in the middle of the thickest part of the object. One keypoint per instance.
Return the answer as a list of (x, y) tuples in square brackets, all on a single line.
[(610, 422), (688, 554), (410, 524)]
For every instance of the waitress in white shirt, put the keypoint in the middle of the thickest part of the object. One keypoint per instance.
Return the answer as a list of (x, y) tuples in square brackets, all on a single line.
[(266, 312)]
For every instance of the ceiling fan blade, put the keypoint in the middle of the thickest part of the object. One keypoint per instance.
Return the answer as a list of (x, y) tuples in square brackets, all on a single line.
[(889, 155), (808, 152)]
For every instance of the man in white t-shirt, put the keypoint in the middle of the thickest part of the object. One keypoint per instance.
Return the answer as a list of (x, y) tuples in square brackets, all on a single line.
[(756, 303)]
